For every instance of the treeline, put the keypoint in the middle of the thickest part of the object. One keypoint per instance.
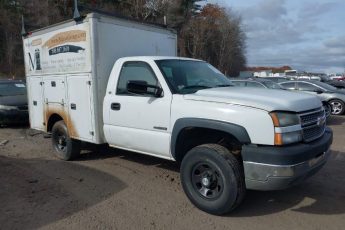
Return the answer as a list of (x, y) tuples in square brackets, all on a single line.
[(205, 31)]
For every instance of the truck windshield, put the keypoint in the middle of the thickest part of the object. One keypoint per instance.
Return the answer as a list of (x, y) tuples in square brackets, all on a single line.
[(187, 76)]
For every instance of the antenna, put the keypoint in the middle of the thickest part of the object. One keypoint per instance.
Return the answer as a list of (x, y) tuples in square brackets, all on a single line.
[(76, 14), (23, 27)]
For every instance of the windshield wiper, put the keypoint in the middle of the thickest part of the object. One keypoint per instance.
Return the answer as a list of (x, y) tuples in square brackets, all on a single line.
[(225, 85), (196, 86)]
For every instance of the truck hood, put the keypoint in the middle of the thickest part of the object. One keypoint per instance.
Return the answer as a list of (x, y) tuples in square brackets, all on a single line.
[(266, 99)]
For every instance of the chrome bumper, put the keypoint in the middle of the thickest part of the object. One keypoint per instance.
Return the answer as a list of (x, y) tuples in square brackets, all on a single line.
[(260, 176)]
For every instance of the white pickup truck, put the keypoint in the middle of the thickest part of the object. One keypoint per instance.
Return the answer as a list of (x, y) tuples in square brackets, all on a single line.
[(228, 139)]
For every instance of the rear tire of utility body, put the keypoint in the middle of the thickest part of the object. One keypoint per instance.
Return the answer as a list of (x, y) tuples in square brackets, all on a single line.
[(338, 106), (213, 179), (65, 147)]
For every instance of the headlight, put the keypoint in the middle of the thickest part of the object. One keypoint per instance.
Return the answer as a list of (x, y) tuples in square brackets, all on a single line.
[(281, 119), (7, 107), (287, 128)]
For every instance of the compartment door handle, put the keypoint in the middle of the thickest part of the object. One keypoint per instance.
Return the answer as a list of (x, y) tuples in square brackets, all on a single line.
[(73, 106)]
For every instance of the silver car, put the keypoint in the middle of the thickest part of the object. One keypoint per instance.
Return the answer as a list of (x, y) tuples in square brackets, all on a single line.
[(256, 83), (265, 83), (335, 97)]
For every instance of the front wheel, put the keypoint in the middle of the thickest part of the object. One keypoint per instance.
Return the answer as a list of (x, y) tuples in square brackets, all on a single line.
[(338, 106), (213, 179), (65, 147)]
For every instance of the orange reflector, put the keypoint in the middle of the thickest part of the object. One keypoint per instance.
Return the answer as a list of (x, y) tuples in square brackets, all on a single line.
[(278, 139), (275, 119)]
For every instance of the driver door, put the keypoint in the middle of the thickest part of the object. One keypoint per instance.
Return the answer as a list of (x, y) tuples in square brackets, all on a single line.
[(139, 122)]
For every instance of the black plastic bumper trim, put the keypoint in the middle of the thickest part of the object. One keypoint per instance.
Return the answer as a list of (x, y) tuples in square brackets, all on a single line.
[(287, 155)]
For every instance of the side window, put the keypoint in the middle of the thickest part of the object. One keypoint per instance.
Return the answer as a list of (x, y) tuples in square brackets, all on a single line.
[(306, 87), (254, 84), (135, 71), (288, 85)]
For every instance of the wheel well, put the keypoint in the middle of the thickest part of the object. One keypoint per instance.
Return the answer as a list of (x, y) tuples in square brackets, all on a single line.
[(52, 120), (335, 99), (191, 137)]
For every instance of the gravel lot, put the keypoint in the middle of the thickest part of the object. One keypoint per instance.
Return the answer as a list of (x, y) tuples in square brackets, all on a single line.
[(113, 189)]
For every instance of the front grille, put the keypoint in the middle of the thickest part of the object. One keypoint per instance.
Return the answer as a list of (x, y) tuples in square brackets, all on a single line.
[(311, 133), (313, 124)]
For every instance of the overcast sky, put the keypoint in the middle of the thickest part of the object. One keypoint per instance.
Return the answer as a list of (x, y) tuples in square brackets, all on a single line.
[(306, 35)]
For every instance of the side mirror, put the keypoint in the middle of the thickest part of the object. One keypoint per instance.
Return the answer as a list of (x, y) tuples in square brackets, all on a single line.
[(142, 88), (318, 91)]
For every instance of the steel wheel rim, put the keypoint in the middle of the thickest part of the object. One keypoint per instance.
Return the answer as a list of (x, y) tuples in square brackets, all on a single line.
[(207, 180), (60, 140), (337, 107)]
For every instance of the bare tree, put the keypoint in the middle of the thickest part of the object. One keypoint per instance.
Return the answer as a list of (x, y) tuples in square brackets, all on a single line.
[(215, 35), (210, 33)]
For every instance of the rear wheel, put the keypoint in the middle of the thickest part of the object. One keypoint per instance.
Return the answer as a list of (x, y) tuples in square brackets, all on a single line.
[(338, 106), (213, 179), (65, 147)]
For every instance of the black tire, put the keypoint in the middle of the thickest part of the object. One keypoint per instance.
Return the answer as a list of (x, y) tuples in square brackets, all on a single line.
[(338, 106), (65, 147), (225, 187)]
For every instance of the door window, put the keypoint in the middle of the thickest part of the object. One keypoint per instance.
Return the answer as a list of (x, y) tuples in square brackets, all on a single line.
[(135, 71), (288, 85), (306, 87)]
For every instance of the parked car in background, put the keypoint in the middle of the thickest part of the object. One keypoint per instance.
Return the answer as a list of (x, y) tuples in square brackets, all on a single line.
[(335, 97), (332, 82), (13, 102), (264, 83), (278, 79), (338, 77), (313, 78), (257, 83)]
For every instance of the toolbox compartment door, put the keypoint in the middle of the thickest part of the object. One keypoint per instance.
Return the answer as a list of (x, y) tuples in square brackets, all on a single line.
[(35, 102), (79, 105), (54, 90)]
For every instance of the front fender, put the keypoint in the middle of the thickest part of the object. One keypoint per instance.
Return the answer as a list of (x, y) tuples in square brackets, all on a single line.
[(237, 131)]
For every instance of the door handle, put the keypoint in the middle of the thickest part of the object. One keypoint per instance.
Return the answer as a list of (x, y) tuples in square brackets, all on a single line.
[(73, 106), (115, 106)]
